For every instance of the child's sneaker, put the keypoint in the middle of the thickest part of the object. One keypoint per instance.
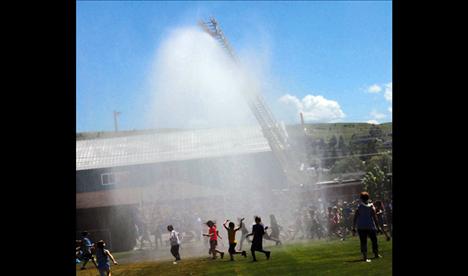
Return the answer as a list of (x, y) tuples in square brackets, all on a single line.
[(367, 260), (377, 256), (174, 262)]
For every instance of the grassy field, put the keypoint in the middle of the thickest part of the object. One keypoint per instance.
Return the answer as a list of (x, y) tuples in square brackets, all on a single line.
[(311, 258)]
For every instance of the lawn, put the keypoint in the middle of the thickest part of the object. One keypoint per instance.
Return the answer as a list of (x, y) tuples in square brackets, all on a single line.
[(309, 258)]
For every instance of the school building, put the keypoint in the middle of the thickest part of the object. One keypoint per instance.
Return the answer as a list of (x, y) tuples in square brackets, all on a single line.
[(116, 172)]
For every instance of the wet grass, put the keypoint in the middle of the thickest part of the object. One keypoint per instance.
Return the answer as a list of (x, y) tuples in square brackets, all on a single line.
[(311, 258)]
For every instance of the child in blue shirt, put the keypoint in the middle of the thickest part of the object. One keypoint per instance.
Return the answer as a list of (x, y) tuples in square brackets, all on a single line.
[(102, 257), (86, 248)]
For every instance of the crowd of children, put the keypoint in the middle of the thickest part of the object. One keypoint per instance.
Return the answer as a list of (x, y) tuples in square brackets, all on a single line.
[(364, 217), (335, 221)]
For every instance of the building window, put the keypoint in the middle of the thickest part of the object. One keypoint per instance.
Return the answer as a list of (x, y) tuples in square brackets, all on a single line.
[(107, 179), (114, 178)]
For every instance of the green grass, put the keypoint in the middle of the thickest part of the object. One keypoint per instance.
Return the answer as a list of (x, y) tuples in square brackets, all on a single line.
[(311, 258)]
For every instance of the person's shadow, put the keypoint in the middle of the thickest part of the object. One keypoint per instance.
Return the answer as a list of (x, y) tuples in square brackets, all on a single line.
[(355, 261)]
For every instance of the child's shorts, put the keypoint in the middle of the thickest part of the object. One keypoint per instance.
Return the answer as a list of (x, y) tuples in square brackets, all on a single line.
[(213, 244), (232, 247), (256, 246)]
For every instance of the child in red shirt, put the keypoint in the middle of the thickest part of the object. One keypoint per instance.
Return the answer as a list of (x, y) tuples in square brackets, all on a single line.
[(213, 234)]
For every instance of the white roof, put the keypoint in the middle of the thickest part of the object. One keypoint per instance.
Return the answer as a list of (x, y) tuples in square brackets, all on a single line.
[(168, 146)]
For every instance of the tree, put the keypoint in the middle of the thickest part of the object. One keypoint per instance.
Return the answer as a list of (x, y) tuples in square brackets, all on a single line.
[(348, 165), (375, 131), (383, 161), (321, 144), (376, 183), (331, 152), (327, 162), (332, 155), (342, 146), (314, 150), (312, 147), (332, 142), (354, 146), (370, 147)]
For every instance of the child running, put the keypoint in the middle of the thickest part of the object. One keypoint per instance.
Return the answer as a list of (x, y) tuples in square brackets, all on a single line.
[(213, 234), (334, 222), (78, 251), (175, 243), (232, 238), (258, 231), (86, 247), (244, 232), (102, 256), (275, 231), (379, 212)]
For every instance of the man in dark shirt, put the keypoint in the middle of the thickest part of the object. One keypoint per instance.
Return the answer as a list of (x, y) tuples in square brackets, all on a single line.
[(258, 231)]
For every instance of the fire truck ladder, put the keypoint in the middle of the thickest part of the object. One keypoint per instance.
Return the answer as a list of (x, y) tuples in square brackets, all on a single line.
[(275, 135)]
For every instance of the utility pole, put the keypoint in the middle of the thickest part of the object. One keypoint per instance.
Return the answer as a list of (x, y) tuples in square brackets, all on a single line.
[(302, 122), (116, 123)]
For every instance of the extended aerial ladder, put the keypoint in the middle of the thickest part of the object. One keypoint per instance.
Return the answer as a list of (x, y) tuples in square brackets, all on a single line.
[(276, 136)]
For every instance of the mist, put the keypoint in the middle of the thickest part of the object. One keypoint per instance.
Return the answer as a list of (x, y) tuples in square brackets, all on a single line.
[(197, 88), (195, 84)]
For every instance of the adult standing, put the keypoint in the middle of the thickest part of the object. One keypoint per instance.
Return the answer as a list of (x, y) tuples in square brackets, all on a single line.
[(367, 225)]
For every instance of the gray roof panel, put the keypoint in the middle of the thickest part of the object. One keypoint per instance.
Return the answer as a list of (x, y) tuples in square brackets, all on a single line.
[(168, 146)]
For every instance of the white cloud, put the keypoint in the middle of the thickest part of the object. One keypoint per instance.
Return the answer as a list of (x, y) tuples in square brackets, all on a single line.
[(377, 115), (374, 89), (390, 109), (374, 122), (315, 108), (388, 92)]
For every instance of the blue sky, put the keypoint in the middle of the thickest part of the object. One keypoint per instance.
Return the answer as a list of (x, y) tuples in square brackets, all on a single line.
[(341, 51)]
